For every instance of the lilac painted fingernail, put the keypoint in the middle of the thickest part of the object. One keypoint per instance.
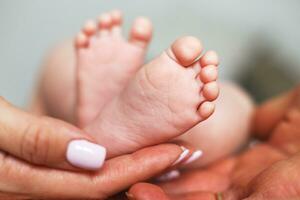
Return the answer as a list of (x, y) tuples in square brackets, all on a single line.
[(182, 156), (171, 175), (196, 155), (86, 155)]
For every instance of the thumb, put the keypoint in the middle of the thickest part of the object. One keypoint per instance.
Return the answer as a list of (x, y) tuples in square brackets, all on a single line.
[(46, 141), (146, 191)]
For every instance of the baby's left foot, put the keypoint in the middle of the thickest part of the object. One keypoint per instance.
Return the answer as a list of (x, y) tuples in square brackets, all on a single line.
[(166, 97), (106, 61)]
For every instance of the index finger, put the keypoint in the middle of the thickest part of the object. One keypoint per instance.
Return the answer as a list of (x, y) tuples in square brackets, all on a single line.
[(116, 175), (46, 141)]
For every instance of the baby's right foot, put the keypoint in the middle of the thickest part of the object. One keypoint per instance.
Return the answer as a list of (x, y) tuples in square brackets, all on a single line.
[(106, 61), (168, 96)]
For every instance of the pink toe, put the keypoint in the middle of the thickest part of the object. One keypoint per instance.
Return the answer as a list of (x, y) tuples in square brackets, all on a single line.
[(206, 109), (186, 50), (209, 58), (90, 27), (211, 91), (105, 21), (141, 31), (209, 74), (81, 40), (116, 16)]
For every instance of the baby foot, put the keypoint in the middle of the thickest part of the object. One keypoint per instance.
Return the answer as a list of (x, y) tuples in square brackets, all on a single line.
[(106, 61), (167, 96)]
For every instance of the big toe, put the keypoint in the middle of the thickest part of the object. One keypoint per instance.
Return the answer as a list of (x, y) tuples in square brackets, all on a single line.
[(186, 50)]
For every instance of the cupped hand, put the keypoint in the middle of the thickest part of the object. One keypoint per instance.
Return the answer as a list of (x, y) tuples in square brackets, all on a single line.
[(267, 170), (20, 180), (45, 141), (36, 151)]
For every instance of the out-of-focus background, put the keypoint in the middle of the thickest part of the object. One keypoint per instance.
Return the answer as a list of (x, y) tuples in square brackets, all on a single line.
[(258, 41)]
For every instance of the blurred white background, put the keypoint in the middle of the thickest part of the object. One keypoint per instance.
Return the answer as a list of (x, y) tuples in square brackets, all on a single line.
[(236, 29)]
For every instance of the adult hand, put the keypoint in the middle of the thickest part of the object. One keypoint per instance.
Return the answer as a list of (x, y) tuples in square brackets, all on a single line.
[(268, 170), (20, 180), (45, 141), (31, 144)]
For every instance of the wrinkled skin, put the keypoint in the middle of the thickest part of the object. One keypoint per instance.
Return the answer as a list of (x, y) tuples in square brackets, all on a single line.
[(267, 170)]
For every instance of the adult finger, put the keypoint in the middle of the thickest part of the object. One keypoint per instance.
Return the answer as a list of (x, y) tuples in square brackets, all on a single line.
[(146, 191), (213, 178), (196, 196), (193, 153), (196, 181), (116, 175), (270, 113), (286, 134), (277, 181), (189, 155), (46, 141)]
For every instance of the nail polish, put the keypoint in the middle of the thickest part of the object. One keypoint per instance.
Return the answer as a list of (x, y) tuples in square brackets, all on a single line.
[(171, 175), (129, 196), (196, 155), (182, 156), (86, 155)]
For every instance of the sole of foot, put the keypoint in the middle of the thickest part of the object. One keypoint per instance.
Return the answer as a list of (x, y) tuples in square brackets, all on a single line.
[(106, 61), (166, 97)]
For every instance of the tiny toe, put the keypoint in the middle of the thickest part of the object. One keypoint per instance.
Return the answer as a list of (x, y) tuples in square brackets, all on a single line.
[(117, 19), (206, 109), (141, 32), (89, 28), (186, 50), (105, 21), (209, 58), (209, 74), (210, 91), (105, 24), (116, 16), (81, 40)]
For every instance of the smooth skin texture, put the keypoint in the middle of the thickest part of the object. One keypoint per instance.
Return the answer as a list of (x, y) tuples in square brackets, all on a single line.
[(265, 122), (21, 180), (63, 73), (269, 170), (106, 61), (39, 140), (56, 93), (231, 98), (165, 98), (226, 131)]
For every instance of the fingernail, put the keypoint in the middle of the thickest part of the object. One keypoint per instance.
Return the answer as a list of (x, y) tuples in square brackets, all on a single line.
[(86, 155), (253, 143), (182, 156), (169, 176), (130, 196), (196, 155)]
